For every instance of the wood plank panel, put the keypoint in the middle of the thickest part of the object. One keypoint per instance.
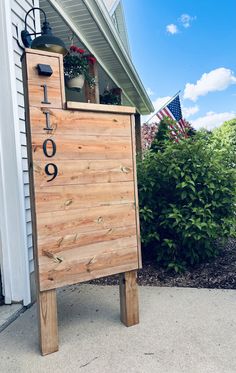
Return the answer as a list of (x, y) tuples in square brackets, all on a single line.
[(95, 172), (84, 172), (32, 71), (51, 245), (82, 147), (79, 196), (37, 95), (88, 262), (80, 123), (85, 220), (100, 108), (55, 83), (86, 253)]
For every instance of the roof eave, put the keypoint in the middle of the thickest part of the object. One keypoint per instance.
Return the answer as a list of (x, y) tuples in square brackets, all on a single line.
[(102, 18)]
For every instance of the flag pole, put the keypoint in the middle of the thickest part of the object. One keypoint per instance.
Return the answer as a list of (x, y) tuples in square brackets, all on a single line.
[(172, 98)]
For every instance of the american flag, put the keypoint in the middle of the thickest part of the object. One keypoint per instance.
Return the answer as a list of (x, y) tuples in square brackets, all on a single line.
[(173, 111)]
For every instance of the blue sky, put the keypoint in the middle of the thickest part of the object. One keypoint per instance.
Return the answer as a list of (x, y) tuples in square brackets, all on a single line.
[(187, 45)]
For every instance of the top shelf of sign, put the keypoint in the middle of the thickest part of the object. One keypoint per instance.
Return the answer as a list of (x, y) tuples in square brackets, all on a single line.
[(100, 107)]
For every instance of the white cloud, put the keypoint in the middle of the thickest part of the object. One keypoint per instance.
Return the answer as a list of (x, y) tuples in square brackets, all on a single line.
[(189, 111), (186, 20), (161, 101), (216, 80), (186, 111), (158, 103), (172, 29), (212, 120), (149, 92)]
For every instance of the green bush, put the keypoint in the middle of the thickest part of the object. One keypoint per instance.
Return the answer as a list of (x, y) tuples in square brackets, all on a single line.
[(226, 134), (187, 200), (224, 140)]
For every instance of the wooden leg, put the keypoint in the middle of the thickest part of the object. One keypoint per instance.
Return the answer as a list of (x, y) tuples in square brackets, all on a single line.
[(129, 306), (47, 314)]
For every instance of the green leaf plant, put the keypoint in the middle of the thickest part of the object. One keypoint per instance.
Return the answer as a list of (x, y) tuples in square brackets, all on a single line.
[(187, 196)]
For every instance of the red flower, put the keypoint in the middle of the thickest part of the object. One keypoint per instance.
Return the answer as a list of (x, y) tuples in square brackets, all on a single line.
[(73, 48), (79, 50), (92, 59)]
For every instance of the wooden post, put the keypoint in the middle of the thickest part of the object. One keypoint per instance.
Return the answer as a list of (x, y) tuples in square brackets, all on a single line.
[(129, 305), (138, 135), (92, 94), (47, 315)]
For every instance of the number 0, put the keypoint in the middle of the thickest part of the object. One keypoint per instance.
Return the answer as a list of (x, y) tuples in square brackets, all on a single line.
[(45, 148)]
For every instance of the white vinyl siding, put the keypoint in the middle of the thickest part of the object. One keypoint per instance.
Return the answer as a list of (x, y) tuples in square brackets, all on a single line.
[(18, 12)]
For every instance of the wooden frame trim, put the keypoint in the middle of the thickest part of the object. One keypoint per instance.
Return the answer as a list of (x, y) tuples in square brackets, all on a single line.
[(132, 125), (100, 107)]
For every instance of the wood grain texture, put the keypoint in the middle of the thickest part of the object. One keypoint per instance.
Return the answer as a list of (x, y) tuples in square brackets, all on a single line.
[(47, 314), (62, 242), (82, 147), (30, 51), (85, 221), (88, 262), (76, 172), (55, 84), (73, 197), (37, 96), (129, 304), (138, 134), (136, 190), (92, 93), (100, 107), (80, 122), (32, 72)]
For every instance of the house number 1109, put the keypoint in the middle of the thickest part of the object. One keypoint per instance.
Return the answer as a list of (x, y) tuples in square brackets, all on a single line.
[(49, 146)]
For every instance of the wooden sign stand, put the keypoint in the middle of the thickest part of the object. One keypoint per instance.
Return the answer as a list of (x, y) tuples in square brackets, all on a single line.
[(83, 187)]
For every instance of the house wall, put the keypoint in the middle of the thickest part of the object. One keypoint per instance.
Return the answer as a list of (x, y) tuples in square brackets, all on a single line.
[(18, 12), (119, 20), (16, 254), (115, 8)]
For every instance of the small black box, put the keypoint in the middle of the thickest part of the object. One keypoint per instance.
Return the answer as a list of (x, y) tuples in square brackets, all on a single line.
[(44, 70)]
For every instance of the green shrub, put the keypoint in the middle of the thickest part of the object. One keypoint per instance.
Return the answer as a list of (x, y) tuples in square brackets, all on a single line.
[(224, 140), (187, 200), (226, 134)]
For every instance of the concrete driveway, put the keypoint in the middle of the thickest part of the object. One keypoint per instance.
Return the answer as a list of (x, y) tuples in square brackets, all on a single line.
[(180, 330)]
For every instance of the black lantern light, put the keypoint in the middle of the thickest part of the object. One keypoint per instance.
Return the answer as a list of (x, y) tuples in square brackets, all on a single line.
[(47, 41)]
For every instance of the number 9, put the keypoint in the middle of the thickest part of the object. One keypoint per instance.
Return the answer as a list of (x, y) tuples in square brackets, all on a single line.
[(53, 173)]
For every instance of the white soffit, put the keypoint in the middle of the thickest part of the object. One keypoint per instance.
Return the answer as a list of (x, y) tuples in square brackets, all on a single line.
[(111, 5), (90, 21)]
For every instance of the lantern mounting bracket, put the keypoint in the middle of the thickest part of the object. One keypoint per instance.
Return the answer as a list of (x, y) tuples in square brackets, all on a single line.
[(25, 35)]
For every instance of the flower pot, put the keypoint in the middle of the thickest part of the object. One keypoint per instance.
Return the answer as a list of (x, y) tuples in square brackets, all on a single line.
[(75, 83)]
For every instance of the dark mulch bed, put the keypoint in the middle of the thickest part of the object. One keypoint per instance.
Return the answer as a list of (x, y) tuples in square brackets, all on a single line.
[(220, 273)]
